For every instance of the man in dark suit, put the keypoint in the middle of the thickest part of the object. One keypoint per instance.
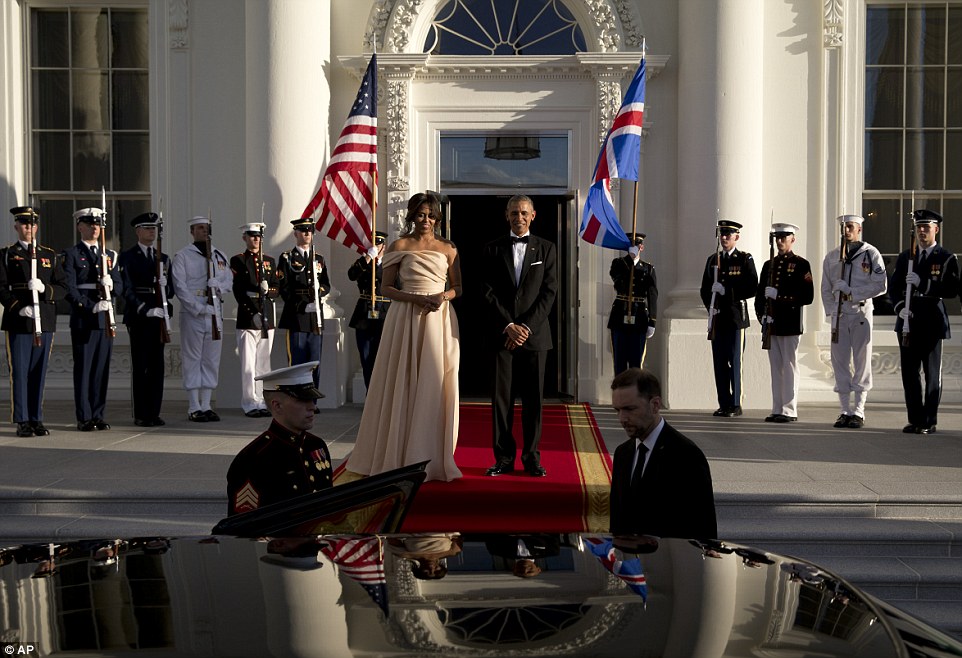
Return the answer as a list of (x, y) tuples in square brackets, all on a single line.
[(147, 291), (724, 293), (934, 277), (367, 329), (519, 285), (90, 291), (660, 480), (29, 341)]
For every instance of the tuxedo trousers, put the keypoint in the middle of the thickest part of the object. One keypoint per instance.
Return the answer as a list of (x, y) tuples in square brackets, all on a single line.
[(518, 373)]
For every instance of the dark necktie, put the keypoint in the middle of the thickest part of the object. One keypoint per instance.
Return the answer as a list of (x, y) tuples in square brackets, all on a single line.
[(150, 255), (641, 451), (93, 251), (921, 264), (516, 240)]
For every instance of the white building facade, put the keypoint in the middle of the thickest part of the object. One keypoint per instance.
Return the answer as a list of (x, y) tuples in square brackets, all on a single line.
[(756, 110)]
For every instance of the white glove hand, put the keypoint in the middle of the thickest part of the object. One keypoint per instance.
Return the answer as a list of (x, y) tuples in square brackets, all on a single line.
[(162, 281), (213, 284), (35, 284), (209, 310), (27, 312), (264, 286), (107, 283), (318, 267), (718, 288), (912, 279), (713, 311), (649, 332), (771, 293), (767, 319), (842, 287), (101, 307), (310, 308), (156, 313), (633, 251), (905, 314)]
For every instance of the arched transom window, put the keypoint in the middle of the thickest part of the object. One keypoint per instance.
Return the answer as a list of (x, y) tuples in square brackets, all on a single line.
[(504, 27)]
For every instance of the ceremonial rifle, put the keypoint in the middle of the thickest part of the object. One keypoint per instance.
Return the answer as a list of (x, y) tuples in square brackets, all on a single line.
[(111, 328), (769, 302), (212, 297), (262, 276), (714, 295), (842, 256), (37, 322), (908, 286), (317, 317), (159, 290)]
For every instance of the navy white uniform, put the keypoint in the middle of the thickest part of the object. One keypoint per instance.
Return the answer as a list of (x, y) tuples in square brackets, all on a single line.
[(864, 273), (792, 279), (89, 330), (143, 311), (253, 348), (938, 272), (737, 274), (303, 344), (628, 340), (367, 330), (199, 351), (28, 362)]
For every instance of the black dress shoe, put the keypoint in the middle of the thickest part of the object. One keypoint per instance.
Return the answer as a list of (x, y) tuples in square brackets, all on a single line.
[(500, 468), (720, 412), (910, 429), (253, 413), (735, 411), (264, 413), (855, 422), (197, 416), (143, 423), (842, 420), (212, 416), (87, 426), (535, 470), (24, 429), (780, 418), (159, 421), (926, 430), (771, 418), (38, 428), (101, 424)]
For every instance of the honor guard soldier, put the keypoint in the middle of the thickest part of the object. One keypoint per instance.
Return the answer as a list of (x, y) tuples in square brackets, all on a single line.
[(90, 292), (201, 277), (285, 461), (367, 329), (147, 310), (31, 279), (255, 289), (852, 274), (784, 287), (632, 318), (922, 319), (729, 279), (302, 290)]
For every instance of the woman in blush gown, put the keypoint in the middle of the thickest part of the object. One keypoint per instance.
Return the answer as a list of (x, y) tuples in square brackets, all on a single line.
[(411, 411)]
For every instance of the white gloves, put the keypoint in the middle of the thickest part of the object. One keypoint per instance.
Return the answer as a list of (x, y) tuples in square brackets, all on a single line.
[(713, 311), (649, 332), (771, 293), (718, 288), (162, 281), (209, 310), (107, 283), (310, 308), (35, 284), (27, 312), (912, 279), (633, 252), (905, 314), (767, 319), (842, 287), (101, 306), (156, 313), (264, 286)]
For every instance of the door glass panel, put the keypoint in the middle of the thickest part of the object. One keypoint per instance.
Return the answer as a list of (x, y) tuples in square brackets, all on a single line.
[(504, 160)]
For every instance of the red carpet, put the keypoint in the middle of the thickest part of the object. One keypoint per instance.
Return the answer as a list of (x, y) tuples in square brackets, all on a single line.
[(572, 498)]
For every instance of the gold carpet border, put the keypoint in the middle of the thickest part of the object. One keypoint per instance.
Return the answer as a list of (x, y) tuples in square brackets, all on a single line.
[(593, 469)]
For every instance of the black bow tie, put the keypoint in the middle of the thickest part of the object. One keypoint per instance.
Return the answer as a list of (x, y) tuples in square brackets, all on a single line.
[(516, 240)]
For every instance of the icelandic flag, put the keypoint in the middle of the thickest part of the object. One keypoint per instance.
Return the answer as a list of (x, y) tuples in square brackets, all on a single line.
[(628, 571), (618, 159)]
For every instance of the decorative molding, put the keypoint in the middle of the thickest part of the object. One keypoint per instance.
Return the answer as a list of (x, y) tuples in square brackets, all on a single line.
[(396, 135), (178, 21), (833, 23), (632, 33), (60, 363), (886, 362), (609, 101)]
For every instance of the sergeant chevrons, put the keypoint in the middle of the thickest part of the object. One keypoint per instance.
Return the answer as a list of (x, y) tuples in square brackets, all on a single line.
[(628, 340), (278, 465), (367, 331)]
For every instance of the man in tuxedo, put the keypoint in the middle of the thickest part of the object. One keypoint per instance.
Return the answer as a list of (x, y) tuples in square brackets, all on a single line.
[(519, 285), (660, 480)]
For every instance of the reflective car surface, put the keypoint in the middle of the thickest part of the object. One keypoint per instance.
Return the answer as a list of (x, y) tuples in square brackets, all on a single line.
[(443, 594)]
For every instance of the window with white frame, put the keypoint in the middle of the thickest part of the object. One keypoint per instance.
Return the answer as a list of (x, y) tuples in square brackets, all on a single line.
[(88, 116), (913, 121)]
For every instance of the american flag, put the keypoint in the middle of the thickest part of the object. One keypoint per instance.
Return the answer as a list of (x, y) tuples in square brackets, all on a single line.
[(344, 202), (628, 571), (618, 159), (362, 560)]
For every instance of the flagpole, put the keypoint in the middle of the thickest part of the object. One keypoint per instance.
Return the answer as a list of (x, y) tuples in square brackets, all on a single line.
[(629, 316), (372, 312)]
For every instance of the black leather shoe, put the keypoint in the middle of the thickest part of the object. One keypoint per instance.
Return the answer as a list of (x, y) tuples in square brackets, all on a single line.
[(855, 422), (842, 420), (792, 419), (264, 413), (158, 422), (212, 416), (253, 413), (780, 418), (143, 423), (501, 468), (771, 418), (87, 426), (101, 424), (197, 416), (720, 412), (535, 470), (38, 428), (926, 430), (735, 411), (910, 429), (24, 429)]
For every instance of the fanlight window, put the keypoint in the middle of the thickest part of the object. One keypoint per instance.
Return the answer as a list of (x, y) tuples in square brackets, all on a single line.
[(504, 27)]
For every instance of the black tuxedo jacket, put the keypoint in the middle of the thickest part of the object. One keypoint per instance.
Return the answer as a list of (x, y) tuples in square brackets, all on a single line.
[(675, 498), (528, 302)]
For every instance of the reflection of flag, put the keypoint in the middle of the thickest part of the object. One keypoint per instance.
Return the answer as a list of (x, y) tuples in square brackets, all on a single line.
[(628, 571), (618, 159), (361, 559), (344, 200)]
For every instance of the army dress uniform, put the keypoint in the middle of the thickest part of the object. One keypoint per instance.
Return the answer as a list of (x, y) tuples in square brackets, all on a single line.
[(367, 330), (253, 310), (91, 341), (628, 340), (795, 289), (303, 344), (938, 273), (864, 274), (738, 276), (28, 362), (143, 315)]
